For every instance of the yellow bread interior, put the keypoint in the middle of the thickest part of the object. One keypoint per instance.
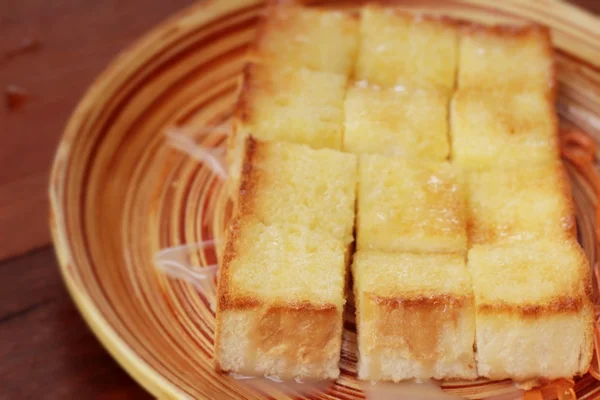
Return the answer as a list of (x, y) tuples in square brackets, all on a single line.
[(288, 105), (407, 205), (415, 316), (321, 40), (494, 128), (408, 121), (505, 57), (534, 317), (283, 275), (397, 46), (516, 204)]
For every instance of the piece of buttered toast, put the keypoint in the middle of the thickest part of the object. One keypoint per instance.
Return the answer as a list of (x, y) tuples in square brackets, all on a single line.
[(415, 316), (498, 127), (507, 57), (286, 104), (410, 205), (405, 121), (396, 46), (282, 281), (302, 37), (520, 204), (533, 312)]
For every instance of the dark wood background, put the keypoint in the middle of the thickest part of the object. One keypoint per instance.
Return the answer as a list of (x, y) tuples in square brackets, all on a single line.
[(46, 350)]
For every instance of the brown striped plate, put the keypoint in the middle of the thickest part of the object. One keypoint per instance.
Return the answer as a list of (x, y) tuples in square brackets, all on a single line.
[(119, 192)]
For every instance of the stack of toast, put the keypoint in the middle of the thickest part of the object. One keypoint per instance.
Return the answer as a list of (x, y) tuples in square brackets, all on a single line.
[(421, 154)]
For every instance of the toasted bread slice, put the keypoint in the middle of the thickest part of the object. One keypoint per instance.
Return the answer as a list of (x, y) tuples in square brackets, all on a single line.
[(289, 105), (524, 203), (282, 279), (405, 205), (396, 46), (505, 57), (534, 318), (415, 316), (405, 121), (492, 128), (295, 36), (299, 186)]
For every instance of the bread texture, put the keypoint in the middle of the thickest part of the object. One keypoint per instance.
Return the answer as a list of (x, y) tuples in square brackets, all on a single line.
[(520, 204), (501, 127), (301, 37), (286, 104), (407, 205), (415, 316), (505, 57), (396, 46), (282, 281), (406, 121), (534, 316)]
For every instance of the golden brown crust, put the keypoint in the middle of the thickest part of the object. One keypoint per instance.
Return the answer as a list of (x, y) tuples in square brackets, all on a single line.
[(443, 20), (255, 79), (569, 219), (500, 30), (248, 183), (243, 102), (559, 305), (419, 301)]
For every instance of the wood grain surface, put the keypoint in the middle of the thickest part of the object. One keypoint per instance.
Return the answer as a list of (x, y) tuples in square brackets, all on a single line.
[(77, 39), (46, 351)]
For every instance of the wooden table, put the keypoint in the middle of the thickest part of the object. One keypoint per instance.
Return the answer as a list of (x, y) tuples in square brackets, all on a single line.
[(46, 350)]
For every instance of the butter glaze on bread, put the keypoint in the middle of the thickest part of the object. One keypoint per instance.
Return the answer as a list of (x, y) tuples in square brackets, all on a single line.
[(415, 316), (406, 121), (505, 57), (321, 40), (407, 205), (282, 281), (396, 46), (494, 128), (286, 104), (525, 203), (534, 316)]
